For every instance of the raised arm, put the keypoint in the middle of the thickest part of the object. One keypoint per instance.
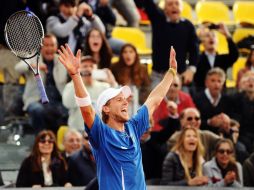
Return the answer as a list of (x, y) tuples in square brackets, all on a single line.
[(72, 65), (160, 91)]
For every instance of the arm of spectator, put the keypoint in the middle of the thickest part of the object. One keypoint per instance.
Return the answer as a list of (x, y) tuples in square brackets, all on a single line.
[(110, 79), (21, 67), (169, 171), (193, 50), (54, 26), (106, 14), (68, 96), (153, 11), (212, 181), (233, 53), (94, 22)]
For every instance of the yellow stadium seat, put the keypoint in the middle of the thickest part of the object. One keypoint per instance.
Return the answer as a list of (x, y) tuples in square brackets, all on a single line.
[(212, 11), (244, 12), (1, 76), (237, 66), (60, 136), (187, 10), (134, 36), (241, 33)]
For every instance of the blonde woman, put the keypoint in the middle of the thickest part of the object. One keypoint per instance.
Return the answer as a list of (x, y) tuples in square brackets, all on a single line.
[(183, 165)]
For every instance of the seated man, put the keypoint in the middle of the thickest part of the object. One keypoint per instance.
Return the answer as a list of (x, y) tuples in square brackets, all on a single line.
[(213, 105), (72, 142), (175, 94), (81, 165), (54, 76), (94, 87)]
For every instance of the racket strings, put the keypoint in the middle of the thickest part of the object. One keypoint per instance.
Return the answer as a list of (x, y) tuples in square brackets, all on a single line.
[(24, 33)]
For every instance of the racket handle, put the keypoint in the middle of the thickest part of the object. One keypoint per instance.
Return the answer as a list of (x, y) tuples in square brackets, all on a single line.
[(44, 97)]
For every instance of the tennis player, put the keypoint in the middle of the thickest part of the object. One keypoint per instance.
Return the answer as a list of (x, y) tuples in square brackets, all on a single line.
[(115, 138)]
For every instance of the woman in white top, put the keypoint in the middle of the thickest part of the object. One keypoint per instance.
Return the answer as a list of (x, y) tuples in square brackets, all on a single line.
[(222, 169)]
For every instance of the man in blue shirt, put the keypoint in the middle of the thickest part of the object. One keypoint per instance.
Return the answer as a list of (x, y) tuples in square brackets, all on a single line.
[(115, 139)]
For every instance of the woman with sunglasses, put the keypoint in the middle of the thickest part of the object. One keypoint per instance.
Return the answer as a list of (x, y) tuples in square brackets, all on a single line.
[(44, 166), (222, 169), (183, 165)]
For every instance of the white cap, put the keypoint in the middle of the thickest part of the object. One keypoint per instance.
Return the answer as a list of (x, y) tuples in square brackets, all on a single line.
[(110, 93)]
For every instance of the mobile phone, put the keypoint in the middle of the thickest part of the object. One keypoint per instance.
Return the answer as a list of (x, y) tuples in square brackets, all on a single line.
[(99, 74), (213, 26)]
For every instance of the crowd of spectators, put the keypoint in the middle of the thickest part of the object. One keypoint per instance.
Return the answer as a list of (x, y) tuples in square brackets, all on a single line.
[(200, 135)]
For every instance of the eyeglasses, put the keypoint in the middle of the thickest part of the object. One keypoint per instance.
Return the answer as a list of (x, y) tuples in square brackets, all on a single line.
[(223, 151), (43, 141), (193, 118)]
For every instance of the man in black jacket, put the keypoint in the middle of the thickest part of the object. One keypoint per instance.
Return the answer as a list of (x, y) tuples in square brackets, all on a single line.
[(81, 166), (210, 58), (169, 29)]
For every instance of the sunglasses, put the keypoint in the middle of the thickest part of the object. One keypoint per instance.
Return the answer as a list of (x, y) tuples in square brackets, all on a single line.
[(193, 118), (223, 151), (49, 141), (175, 85)]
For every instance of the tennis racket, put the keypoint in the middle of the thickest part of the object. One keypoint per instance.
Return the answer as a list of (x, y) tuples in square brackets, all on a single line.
[(23, 34)]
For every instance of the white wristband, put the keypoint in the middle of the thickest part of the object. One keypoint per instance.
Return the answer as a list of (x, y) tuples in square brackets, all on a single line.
[(82, 102)]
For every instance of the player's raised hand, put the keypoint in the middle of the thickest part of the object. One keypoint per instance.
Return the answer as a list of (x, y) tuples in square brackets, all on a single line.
[(71, 62), (172, 59)]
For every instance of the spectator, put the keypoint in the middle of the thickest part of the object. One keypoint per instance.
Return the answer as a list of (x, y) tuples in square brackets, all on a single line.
[(169, 29), (44, 167), (154, 149), (183, 165), (213, 105), (72, 23), (54, 76), (240, 150), (81, 165), (249, 66), (129, 71), (103, 9), (248, 169), (72, 142), (190, 117), (96, 45), (176, 95), (93, 86), (210, 58), (223, 170), (242, 105)]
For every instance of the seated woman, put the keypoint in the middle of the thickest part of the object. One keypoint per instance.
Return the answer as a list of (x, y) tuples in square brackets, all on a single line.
[(97, 46), (222, 169), (129, 71), (183, 165), (44, 167)]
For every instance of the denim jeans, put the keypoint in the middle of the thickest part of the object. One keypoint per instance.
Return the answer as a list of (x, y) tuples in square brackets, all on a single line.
[(47, 116), (128, 10)]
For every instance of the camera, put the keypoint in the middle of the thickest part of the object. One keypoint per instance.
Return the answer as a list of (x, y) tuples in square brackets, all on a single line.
[(214, 26), (99, 74)]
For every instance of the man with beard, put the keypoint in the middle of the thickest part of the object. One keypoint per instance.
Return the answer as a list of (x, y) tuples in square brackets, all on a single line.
[(115, 138)]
